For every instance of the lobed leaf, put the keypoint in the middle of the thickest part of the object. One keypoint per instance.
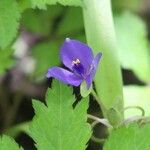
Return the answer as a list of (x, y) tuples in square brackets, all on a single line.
[(57, 125)]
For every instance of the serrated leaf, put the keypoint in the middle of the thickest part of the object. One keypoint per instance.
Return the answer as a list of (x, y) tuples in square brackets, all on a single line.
[(6, 60), (72, 22), (46, 55), (57, 125), (129, 138), (42, 4), (7, 142), (9, 17), (133, 44), (136, 96)]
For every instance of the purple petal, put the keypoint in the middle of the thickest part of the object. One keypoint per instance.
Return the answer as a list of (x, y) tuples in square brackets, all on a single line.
[(95, 63), (72, 50), (64, 76), (89, 81)]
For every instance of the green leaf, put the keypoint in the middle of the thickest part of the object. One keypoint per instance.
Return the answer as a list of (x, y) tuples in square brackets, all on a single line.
[(39, 21), (56, 125), (6, 60), (100, 36), (43, 3), (136, 96), (7, 142), (133, 44), (129, 138), (9, 17), (72, 22), (46, 55)]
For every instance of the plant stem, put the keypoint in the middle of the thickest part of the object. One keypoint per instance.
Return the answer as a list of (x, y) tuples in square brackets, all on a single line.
[(136, 107), (98, 100), (100, 35), (15, 130), (100, 120)]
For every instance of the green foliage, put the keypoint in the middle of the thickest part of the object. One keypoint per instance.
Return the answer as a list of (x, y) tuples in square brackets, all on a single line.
[(6, 143), (6, 60), (100, 36), (129, 138), (56, 125), (24, 4), (39, 21), (120, 5), (46, 55), (43, 3), (137, 96), (72, 22), (133, 44), (9, 17)]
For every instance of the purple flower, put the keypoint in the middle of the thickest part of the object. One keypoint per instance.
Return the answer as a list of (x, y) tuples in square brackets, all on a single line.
[(78, 57)]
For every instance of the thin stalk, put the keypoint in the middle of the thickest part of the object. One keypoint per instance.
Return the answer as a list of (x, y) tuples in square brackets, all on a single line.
[(100, 36)]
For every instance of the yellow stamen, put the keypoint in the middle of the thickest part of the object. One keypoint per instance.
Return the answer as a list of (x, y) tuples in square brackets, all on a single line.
[(76, 62)]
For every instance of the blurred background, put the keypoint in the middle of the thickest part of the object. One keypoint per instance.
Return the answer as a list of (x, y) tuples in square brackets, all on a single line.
[(36, 48)]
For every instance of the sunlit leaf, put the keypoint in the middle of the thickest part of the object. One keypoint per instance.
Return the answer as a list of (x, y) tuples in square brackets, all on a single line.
[(133, 44), (129, 138), (56, 125)]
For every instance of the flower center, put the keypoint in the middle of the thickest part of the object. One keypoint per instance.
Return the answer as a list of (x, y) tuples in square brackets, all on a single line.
[(78, 67)]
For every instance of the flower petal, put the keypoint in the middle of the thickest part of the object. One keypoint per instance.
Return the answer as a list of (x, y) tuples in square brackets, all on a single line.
[(64, 76), (95, 63), (89, 80), (72, 50)]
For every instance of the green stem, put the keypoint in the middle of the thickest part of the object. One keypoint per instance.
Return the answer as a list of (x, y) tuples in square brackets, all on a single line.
[(100, 35), (136, 107), (98, 100), (97, 120), (100, 120), (17, 129)]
